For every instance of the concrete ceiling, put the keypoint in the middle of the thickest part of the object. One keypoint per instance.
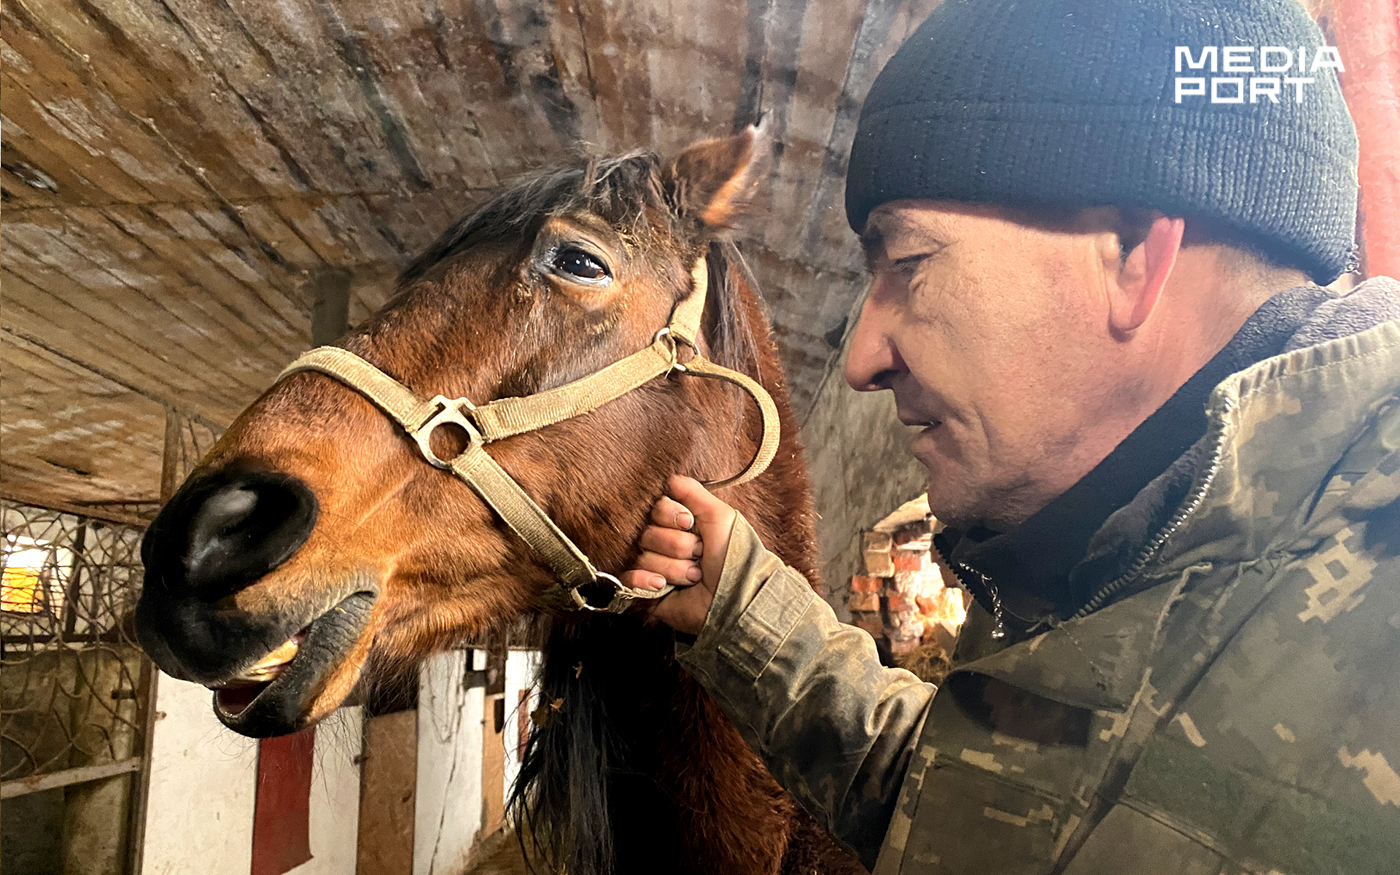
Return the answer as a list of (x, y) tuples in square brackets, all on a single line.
[(178, 173)]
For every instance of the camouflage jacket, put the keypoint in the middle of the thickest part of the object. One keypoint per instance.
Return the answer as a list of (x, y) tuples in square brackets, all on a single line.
[(1238, 712)]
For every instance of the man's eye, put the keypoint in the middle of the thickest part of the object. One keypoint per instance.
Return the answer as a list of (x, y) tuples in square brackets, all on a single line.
[(579, 264), (908, 264)]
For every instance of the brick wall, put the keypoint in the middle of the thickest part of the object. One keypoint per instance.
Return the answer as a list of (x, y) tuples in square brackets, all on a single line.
[(908, 603)]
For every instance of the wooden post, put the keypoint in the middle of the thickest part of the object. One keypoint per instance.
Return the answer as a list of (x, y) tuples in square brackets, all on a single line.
[(330, 308), (171, 470)]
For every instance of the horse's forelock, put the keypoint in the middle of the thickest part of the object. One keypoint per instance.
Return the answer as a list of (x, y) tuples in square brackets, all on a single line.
[(625, 191)]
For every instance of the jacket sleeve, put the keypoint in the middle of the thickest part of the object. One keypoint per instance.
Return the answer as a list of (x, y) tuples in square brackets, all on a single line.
[(835, 727)]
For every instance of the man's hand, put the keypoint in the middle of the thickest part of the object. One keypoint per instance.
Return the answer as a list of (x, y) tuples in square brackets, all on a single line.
[(685, 546)]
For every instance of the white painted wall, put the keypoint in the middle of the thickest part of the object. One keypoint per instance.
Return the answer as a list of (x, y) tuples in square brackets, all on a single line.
[(521, 667), (447, 816), (203, 778), (199, 816)]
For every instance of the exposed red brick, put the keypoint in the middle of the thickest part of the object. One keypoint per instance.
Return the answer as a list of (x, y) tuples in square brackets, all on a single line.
[(870, 623), (866, 583), (864, 601), (910, 560)]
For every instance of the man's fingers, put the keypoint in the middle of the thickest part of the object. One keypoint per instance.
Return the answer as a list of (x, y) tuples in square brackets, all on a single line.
[(639, 579), (699, 501), (681, 572), (669, 542), (671, 514)]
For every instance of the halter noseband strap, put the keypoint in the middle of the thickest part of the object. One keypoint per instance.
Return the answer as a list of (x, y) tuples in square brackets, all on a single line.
[(507, 417)]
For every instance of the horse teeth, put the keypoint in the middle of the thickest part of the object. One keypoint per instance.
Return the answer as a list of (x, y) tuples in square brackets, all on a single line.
[(278, 657), (269, 667)]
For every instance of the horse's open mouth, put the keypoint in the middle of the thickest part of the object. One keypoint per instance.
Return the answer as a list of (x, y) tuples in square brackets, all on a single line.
[(274, 695)]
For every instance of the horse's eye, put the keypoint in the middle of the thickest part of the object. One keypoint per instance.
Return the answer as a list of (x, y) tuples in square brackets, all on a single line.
[(579, 264)]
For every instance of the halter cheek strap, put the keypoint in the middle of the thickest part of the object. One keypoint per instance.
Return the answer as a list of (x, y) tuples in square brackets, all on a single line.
[(506, 417)]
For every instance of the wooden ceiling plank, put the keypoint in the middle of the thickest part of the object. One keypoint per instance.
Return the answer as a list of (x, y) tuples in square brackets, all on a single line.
[(370, 290), (122, 309), (520, 39), (189, 257), (261, 219), (399, 217), (80, 108), (286, 117), (125, 51), (230, 304), (42, 485), (569, 45), (58, 431), (301, 215), (24, 186), (155, 391), (184, 76), (278, 286), (29, 155), (413, 42), (64, 418), (513, 139), (619, 67), (695, 73), (127, 270), (390, 40), (440, 209), (37, 313), (350, 221), (814, 70), (883, 29), (63, 154), (269, 290), (325, 76)]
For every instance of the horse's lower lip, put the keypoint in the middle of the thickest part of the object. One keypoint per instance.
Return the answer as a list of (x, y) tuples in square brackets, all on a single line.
[(279, 706)]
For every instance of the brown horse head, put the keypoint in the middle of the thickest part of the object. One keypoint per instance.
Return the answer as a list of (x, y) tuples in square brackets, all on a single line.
[(314, 548), (314, 540)]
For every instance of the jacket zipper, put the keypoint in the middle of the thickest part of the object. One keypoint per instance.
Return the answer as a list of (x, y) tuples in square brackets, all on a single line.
[(998, 623), (1189, 507)]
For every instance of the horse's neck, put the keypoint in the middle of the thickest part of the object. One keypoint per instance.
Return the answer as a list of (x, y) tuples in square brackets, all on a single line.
[(779, 504)]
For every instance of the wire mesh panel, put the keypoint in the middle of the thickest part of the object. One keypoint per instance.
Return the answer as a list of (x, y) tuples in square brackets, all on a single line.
[(69, 666), (77, 697)]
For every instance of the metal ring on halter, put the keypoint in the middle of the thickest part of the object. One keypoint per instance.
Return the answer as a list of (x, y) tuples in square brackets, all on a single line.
[(675, 343), (582, 601), (449, 413)]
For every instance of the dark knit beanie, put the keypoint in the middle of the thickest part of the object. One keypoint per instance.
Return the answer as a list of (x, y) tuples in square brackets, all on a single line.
[(1075, 103)]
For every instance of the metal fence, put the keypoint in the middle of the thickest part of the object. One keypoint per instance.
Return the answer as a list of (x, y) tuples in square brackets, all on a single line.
[(70, 670), (77, 696)]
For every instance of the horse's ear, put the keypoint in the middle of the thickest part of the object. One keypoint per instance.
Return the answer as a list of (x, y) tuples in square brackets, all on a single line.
[(714, 180)]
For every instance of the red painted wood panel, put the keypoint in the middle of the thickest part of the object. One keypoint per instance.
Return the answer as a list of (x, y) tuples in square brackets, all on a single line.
[(282, 810)]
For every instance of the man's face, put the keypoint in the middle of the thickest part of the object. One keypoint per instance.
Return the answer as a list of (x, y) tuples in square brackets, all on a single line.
[(994, 338)]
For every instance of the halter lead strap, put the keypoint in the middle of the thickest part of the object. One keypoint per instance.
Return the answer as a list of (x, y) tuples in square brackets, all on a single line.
[(507, 417)]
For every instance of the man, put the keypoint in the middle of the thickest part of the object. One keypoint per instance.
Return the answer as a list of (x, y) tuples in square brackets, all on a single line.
[(1169, 461)]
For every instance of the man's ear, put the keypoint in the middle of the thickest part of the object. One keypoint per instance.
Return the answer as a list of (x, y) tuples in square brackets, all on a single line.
[(713, 181), (1138, 276)]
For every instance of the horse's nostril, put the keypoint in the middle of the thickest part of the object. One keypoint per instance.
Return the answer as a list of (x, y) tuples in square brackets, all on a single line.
[(221, 517), (226, 530)]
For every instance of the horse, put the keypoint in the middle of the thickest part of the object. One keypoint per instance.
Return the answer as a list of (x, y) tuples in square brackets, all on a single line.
[(313, 549)]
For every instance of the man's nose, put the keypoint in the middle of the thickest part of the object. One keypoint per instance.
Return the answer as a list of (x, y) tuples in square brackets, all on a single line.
[(873, 359)]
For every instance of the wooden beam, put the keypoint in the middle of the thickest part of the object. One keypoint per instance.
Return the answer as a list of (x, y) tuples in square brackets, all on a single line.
[(39, 783), (330, 310), (95, 513)]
